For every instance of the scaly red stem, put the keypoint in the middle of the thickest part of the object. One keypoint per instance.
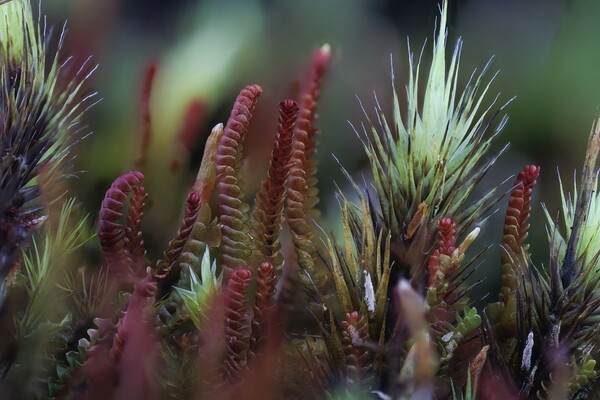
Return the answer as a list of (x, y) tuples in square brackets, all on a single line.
[(237, 323), (306, 131), (235, 241), (267, 217), (519, 208), (264, 305), (171, 255), (111, 230), (359, 368), (134, 243), (446, 244)]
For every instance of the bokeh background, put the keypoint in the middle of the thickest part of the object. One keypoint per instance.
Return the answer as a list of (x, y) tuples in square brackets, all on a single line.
[(547, 52)]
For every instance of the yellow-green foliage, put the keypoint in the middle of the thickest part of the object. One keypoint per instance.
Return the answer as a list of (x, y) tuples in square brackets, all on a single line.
[(48, 264), (202, 290), (429, 153)]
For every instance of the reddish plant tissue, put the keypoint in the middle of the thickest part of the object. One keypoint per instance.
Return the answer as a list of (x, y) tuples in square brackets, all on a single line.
[(193, 120), (237, 325), (446, 243), (234, 229), (266, 219), (519, 208), (305, 132), (264, 305), (354, 339), (134, 243), (137, 345), (111, 229), (171, 255), (145, 114), (446, 236)]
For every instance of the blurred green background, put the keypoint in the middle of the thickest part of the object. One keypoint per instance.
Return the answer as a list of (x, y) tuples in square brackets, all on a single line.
[(547, 52)]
